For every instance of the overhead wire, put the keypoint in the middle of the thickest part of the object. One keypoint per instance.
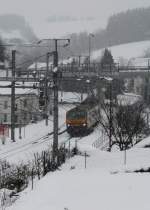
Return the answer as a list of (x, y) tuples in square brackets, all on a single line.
[(41, 57)]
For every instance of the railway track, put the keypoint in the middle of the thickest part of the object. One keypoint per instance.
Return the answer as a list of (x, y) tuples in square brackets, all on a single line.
[(32, 144), (68, 141)]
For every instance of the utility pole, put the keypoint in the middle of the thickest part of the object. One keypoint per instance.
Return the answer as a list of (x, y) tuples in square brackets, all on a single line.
[(20, 125), (89, 59), (55, 88), (46, 88), (110, 116), (79, 60), (90, 36), (13, 96)]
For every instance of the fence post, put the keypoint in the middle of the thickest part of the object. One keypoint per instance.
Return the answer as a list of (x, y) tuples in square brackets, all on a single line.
[(32, 178), (125, 157), (69, 149), (85, 155), (24, 131), (76, 145)]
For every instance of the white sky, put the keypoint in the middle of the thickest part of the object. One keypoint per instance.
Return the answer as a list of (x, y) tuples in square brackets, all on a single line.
[(36, 11)]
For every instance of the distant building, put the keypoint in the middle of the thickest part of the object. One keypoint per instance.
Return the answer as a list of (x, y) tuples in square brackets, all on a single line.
[(26, 106), (5, 70), (128, 99), (140, 62)]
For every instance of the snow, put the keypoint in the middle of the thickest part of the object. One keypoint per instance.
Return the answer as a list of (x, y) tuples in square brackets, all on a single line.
[(108, 181), (126, 51), (8, 35), (107, 78), (71, 97), (140, 62), (18, 91), (35, 138), (55, 69), (130, 54), (42, 65), (95, 187), (103, 184), (37, 65), (33, 141), (11, 35)]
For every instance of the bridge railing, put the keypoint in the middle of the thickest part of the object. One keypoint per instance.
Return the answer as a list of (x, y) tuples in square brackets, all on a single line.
[(74, 70)]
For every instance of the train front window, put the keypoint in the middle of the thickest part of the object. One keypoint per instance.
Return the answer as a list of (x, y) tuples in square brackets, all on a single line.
[(76, 115)]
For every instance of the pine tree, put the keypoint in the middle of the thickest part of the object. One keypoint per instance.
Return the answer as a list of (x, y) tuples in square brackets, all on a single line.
[(2, 51), (107, 58)]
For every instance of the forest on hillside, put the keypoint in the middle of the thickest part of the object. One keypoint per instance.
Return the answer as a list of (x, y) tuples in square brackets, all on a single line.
[(124, 27)]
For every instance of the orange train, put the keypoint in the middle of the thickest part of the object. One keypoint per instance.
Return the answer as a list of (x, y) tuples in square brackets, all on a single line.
[(82, 119)]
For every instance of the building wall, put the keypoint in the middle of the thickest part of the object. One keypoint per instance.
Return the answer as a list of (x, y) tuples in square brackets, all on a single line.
[(5, 109), (27, 107)]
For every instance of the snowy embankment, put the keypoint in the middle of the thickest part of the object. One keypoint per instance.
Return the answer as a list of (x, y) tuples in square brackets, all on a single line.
[(94, 187)]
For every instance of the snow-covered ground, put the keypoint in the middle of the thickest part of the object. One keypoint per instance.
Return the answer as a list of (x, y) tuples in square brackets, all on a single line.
[(103, 184), (36, 137)]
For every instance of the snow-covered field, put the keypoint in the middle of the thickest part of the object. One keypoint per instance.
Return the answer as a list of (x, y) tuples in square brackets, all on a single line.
[(126, 51)]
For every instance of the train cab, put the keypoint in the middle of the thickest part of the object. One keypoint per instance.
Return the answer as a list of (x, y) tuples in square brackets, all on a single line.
[(76, 121)]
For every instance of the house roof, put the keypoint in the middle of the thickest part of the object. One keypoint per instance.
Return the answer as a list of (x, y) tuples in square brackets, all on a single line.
[(18, 91)]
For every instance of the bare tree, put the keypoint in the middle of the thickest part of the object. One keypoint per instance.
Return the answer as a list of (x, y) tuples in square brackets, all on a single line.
[(128, 125), (122, 123)]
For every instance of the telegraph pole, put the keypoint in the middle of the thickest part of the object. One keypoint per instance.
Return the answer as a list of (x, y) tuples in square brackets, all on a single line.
[(79, 60), (89, 60), (110, 116), (13, 96), (90, 36), (46, 88), (55, 88)]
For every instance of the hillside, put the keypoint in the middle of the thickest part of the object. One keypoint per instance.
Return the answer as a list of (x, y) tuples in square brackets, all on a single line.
[(124, 27), (14, 28), (125, 52), (128, 26)]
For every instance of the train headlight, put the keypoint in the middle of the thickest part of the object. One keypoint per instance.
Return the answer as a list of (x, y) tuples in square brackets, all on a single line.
[(84, 124), (68, 125)]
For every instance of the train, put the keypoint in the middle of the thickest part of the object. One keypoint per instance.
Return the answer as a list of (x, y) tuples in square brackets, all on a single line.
[(81, 119)]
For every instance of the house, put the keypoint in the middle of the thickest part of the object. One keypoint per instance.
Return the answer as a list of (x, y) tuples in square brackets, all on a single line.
[(128, 99), (26, 106)]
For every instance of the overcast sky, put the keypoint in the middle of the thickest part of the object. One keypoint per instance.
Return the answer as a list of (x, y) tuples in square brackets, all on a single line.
[(36, 11)]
